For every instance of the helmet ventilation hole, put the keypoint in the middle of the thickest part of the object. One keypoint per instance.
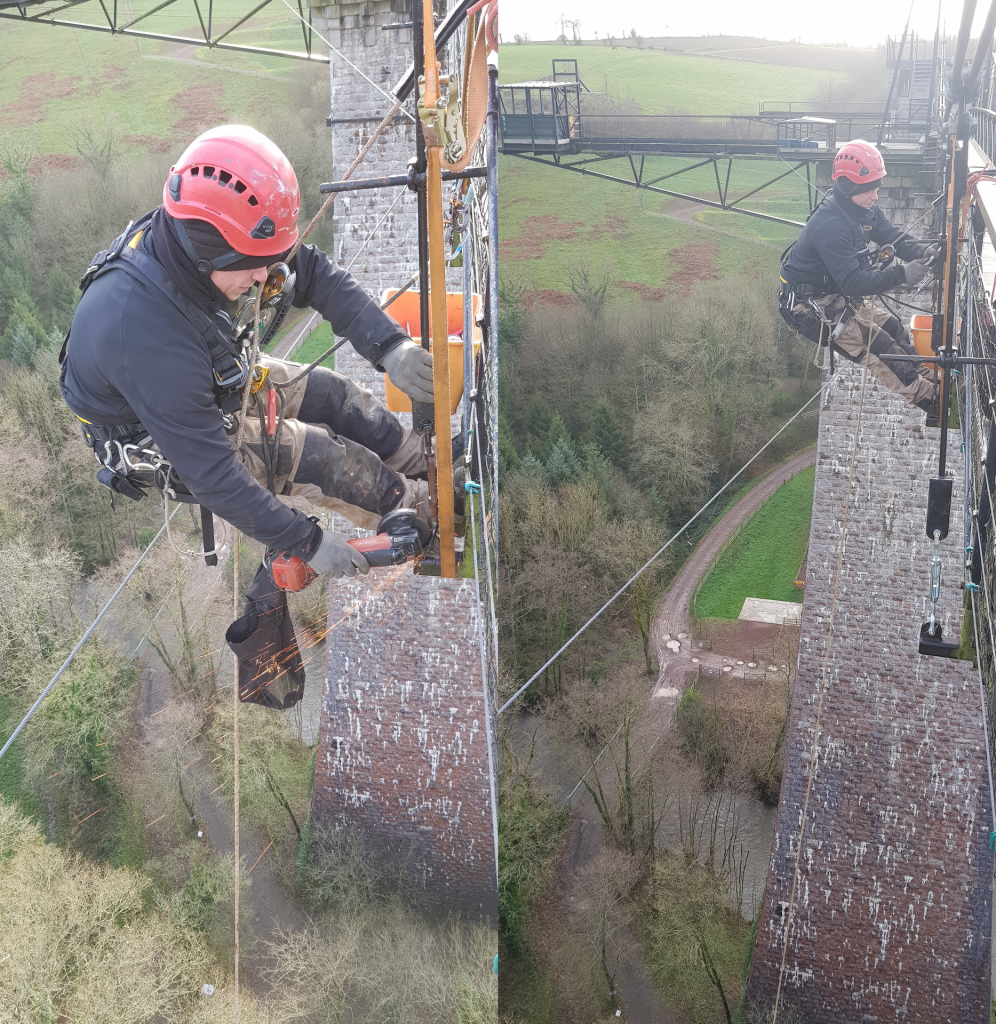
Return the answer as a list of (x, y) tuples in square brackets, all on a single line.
[(253, 201)]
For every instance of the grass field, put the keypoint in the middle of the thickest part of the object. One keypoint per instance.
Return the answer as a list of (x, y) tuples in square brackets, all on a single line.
[(645, 244), (56, 81), (763, 558), (663, 83)]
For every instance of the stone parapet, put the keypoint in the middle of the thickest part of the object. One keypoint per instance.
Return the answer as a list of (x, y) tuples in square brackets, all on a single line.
[(892, 915)]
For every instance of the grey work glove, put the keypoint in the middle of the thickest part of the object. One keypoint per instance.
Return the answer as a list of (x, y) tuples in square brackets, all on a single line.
[(336, 557), (410, 368), (916, 271), (932, 252)]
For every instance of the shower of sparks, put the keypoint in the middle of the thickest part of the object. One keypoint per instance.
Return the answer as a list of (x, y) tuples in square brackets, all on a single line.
[(260, 857), (89, 816)]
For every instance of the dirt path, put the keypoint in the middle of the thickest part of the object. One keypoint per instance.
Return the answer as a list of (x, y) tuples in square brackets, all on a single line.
[(670, 632)]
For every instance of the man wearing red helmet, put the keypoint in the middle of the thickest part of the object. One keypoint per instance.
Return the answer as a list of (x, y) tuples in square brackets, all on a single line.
[(152, 370), (831, 275)]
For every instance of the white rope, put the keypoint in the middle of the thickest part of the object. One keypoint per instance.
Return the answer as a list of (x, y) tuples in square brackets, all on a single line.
[(83, 639), (487, 543), (489, 735), (525, 686)]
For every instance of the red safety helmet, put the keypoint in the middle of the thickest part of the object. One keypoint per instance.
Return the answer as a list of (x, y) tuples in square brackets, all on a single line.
[(858, 161), (239, 182)]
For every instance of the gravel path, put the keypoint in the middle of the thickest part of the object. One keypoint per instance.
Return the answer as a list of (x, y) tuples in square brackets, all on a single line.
[(670, 632)]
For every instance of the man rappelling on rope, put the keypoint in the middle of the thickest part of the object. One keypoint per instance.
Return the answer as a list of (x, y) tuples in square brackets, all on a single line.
[(155, 374), (830, 277)]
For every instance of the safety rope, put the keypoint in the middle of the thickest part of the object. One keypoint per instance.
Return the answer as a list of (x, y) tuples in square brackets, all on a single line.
[(488, 731), (487, 542), (83, 639), (985, 716), (235, 766), (872, 332), (532, 679)]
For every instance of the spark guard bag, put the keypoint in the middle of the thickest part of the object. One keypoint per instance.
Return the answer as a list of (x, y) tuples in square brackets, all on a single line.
[(271, 671)]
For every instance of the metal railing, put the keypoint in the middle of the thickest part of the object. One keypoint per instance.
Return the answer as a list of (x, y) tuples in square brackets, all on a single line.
[(977, 407)]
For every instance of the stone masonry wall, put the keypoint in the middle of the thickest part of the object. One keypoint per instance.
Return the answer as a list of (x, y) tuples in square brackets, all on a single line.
[(402, 751), (892, 916), (403, 748)]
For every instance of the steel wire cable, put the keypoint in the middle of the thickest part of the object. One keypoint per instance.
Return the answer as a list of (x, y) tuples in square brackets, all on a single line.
[(83, 639), (525, 686), (347, 61)]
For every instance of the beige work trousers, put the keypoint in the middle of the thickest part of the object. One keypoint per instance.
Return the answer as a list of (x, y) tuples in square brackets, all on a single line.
[(408, 459), (913, 381)]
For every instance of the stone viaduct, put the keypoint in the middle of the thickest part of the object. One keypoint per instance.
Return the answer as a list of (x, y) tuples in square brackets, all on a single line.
[(402, 752), (889, 914)]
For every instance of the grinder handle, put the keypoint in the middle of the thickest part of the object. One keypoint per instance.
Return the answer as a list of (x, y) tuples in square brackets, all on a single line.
[(377, 550)]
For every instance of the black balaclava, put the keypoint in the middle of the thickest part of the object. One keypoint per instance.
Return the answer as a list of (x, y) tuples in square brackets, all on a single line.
[(843, 186), (208, 243)]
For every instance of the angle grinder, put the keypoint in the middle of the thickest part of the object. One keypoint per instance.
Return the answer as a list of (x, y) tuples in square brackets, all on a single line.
[(400, 536)]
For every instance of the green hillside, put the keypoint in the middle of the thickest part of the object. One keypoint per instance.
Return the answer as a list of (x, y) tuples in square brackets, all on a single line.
[(57, 82), (644, 244), (662, 83)]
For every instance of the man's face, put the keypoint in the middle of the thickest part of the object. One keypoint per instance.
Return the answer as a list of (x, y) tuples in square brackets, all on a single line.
[(233, 283), (864, 199)]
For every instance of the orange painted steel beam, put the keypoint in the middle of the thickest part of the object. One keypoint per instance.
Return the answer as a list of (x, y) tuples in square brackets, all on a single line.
[(437, 312)]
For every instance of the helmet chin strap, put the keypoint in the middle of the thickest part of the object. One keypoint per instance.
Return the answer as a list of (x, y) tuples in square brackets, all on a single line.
[(206, 267)]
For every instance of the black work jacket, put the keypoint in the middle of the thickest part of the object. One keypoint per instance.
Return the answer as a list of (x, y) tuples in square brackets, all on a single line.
[(132, 357), (832, 250)]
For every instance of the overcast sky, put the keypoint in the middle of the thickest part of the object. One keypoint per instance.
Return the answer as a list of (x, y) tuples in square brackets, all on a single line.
[(856, 22)]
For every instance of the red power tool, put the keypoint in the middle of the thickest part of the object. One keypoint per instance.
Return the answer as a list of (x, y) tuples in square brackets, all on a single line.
[(400, 536)]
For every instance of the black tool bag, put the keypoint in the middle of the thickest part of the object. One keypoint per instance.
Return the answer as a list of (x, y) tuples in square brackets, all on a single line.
[(271, 671)]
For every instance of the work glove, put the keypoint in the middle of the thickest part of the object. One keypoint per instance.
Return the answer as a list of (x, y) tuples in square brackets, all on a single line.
[(932, 253), (410, 368), (336, 557), (916, 271)]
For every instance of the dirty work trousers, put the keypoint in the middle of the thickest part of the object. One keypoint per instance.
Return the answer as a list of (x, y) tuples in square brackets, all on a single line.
[(339, 447), (911, 380)]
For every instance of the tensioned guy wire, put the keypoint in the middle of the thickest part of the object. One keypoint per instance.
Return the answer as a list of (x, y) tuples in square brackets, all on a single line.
[(83, 639), (532, 679)]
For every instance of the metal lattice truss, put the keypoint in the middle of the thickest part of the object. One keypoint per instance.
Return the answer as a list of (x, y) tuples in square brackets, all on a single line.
[(105, 16), (639, 178)]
